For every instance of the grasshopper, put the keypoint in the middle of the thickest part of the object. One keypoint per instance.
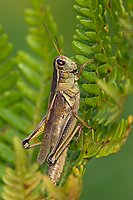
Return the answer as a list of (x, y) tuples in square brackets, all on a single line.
[(58, 125)]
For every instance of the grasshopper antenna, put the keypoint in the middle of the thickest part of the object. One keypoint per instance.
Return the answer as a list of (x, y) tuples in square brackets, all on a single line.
[(52, 40), (57, 43)]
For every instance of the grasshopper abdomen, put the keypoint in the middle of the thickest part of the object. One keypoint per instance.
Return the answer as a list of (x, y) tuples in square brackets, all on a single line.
[(55, 170)]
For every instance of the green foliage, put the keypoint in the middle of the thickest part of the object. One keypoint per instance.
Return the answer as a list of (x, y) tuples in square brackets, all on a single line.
[(110, 77), (22, 182), (27, 182), (25, 92), (71, 189), (8, 79)]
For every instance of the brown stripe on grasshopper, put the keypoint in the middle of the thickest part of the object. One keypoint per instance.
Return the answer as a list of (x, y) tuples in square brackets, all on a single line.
[(58, 125)]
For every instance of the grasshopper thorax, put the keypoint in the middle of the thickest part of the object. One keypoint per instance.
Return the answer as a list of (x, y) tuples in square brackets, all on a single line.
[(65, 64)]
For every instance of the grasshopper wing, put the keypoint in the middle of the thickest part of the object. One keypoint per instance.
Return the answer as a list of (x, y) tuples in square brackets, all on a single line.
[(66, 136), (55, 119), (44, 149), (66, 132)]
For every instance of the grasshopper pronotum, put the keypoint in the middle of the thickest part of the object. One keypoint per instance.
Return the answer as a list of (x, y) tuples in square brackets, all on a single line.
[(59, 122)]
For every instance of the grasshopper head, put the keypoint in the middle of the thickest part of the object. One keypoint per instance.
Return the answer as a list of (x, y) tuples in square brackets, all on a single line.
[(65, 64)]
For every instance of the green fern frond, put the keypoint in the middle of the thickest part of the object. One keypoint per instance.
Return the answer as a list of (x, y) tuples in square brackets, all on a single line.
[(103, 142), (71, 189), (108, 81), (23, 181), (9, 96), (27, 182), (5, 48), (8, 77)]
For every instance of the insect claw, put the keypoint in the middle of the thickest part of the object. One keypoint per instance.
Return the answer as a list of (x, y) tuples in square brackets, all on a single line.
[(50, 159), (92, 128), (25, 143)]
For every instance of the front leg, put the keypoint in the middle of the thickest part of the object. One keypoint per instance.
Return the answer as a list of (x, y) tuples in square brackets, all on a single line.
[(82, 69), (38, 131)]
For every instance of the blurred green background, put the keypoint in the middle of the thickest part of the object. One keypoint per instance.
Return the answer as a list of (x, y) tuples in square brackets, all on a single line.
[(109, 178)]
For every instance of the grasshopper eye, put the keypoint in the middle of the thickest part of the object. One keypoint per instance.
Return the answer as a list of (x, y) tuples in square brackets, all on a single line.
[(60, 62)]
